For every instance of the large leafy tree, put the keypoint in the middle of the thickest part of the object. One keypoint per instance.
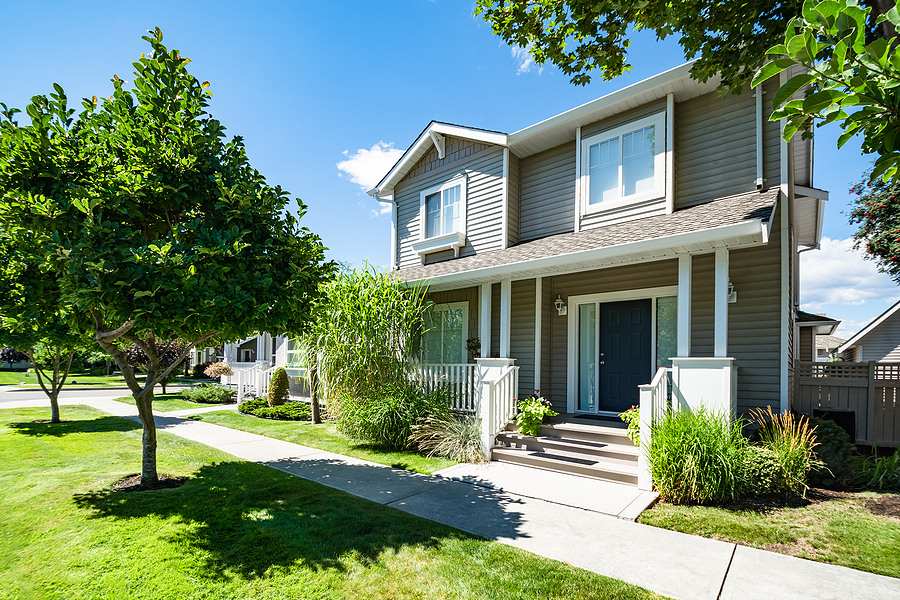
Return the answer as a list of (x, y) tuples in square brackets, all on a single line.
[(728, 38), (877, 212), (158, 224)]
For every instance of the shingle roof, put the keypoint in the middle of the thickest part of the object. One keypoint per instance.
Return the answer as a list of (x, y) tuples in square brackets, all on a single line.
[(828, 341), (724, 211), (805, 317)]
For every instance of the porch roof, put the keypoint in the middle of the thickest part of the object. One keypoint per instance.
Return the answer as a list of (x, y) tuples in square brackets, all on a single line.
[(733, 221)]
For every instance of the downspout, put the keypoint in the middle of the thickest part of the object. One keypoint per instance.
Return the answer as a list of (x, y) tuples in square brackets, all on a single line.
[(760, 182)]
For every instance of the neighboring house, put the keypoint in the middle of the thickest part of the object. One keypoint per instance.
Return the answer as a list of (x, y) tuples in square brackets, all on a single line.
[(827, 347), (878, 341), (590, 249), (810, 327)]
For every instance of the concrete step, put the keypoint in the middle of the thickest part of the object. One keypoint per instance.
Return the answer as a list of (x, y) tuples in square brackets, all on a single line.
[(622, 453), (605, 434), (584, 465)]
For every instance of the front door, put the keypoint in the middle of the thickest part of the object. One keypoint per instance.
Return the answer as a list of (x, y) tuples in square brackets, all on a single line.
[(614, 354)]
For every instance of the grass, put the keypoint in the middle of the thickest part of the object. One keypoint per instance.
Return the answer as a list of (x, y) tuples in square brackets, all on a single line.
[(233, 530), (326, 437), (838, 529), (30, 379), (168, 402)]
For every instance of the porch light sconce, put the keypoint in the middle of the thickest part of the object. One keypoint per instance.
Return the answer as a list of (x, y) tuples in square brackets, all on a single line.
[(732, 295), (561, 306)]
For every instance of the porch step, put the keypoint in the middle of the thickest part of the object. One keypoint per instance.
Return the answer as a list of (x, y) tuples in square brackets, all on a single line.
[(623, 453), (606, 434), (599, 468)]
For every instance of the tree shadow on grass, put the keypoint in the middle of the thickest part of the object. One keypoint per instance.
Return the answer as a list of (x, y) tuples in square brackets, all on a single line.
[(95, 425), (246, 518)]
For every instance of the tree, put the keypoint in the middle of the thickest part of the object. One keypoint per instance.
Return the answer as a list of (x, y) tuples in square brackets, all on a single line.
[(169, 353), (12, 356), (846, 78), (728, 38), (160, 227), (877, 212)]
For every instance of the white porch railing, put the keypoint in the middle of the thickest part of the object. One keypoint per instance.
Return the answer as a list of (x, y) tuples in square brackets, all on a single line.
[(654, 403), (460, 378), (244, 378), (262, 381), (497, 406)]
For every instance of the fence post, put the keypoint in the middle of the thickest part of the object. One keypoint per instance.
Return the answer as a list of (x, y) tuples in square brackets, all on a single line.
[(870, 404)]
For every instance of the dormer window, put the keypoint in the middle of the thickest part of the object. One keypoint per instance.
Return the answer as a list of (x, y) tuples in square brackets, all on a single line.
[(442, 217), (624, 165)]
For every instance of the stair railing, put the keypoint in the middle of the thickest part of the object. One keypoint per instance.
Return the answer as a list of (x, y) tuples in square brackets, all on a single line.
[(654, 403), (497, 406)]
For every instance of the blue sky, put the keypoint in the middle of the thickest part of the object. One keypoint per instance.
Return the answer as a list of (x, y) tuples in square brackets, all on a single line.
[(310, 87)]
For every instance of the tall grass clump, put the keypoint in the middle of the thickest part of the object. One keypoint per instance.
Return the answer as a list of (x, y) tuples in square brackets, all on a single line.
[(387, 418), (696, 457), (792, 440), (450, 436), (878, 472), (365, 334)]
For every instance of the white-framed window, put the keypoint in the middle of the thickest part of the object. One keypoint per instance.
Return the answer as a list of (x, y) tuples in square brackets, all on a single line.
[(624, 165), (447, 326), (442, 217)]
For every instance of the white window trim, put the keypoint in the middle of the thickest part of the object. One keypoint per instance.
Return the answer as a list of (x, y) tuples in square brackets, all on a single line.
[(658, 121), (453, 240), (651, 294), (464, 306)]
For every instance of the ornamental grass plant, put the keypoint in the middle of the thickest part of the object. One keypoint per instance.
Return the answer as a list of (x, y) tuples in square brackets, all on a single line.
[(696, 457), (793, 440), (449, 436)]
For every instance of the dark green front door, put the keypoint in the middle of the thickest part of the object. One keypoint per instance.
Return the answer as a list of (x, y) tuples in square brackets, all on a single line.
[(625, 353)]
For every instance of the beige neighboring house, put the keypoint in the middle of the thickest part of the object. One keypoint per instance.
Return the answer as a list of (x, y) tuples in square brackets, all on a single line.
[(878, 341), (827, 347), (810, 328), (647, 236)]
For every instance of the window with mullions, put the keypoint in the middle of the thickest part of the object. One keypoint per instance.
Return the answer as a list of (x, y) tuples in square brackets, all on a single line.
[(444, 209), (445, 336), (624, 165)]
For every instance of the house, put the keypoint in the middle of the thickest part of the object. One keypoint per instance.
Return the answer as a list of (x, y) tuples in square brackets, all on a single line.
[(810, 329), (656, 227), (827, 347), (878, 341)]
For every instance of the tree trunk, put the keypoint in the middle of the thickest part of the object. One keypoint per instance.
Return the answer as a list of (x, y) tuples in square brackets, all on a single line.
[(54, 407), (314, 393), (144, 402)]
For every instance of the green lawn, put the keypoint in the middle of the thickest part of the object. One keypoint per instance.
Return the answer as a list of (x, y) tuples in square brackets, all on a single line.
[(839, 529), (30, 379), (168, 402), (325, 437), (233, 530)]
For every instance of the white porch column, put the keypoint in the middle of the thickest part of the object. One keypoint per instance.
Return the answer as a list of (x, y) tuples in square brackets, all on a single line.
[(684, 305), (538, 294), (720, 303), (505, 316), (485, 317)]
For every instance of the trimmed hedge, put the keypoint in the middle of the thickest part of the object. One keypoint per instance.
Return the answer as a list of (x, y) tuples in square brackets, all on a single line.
[(289, 411), (208, 393), (278, 388)]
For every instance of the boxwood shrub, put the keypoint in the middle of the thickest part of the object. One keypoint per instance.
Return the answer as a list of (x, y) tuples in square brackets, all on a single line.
[(208, 393), (289, 411)]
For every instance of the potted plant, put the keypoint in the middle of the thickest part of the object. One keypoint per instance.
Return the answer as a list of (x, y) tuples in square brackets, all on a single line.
[(531, 412)]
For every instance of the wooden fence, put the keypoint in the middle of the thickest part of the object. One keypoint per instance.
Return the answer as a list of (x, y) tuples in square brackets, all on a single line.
[(870, 391)]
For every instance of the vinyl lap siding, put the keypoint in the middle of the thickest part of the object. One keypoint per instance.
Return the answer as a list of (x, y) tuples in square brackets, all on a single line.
[(547, 193), (483, 204), (521, 341), (883, 342), (455, 150), (513, 193)]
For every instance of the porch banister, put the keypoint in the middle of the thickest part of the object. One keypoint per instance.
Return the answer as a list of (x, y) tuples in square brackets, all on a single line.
[(684, 305), (653, 405), (485, 317), (721, 303)]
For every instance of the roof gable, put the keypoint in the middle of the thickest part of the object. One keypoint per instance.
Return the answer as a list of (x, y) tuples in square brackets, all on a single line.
[(870, 327)]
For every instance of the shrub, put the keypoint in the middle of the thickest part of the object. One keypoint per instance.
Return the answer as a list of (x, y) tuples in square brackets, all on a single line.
[(199, 370), (278, 388), (289, 411), (760, 472), (632, 418), (697, 457), (531, 412), (387, 420), (208, 393), (218, 369), (878, 472), (834, 450), (456, 438), (793, 440)]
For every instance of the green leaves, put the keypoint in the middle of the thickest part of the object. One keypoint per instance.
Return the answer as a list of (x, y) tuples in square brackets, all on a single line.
[(847, 80)]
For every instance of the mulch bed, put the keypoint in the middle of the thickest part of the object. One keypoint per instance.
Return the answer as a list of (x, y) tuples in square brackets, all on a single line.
[(132, 483), (886, 506)]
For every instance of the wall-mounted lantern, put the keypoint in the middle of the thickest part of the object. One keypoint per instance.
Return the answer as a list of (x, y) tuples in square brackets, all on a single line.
[(732, 294), (561, 306)]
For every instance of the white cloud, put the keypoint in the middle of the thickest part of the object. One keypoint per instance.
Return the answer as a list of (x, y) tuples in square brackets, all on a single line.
[(384, 210), (365, 168), (524, 60), (836, 274)]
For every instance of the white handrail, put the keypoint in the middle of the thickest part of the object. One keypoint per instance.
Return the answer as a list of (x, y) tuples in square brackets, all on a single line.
[(498, 406), (654, 403), (460, 378)]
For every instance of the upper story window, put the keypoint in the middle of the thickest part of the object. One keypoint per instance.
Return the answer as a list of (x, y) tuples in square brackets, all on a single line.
[(624, 165), (442, 217)]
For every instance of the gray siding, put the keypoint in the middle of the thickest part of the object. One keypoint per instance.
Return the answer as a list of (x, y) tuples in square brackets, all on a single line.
[(495, 320), (521, 346), (883, 342), (614, 279), (715, 147), (547, 193), (548, 315), (455, 150), (483, 203), (513, 193), (807, 342)]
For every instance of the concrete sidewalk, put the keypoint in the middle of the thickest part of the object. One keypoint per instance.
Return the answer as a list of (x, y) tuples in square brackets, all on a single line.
[(670, 563)]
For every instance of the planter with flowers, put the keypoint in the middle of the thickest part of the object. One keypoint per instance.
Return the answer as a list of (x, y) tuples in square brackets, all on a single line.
[(530, 413)]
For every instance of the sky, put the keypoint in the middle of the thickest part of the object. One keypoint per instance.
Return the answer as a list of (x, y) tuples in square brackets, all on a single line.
[(326, 100)]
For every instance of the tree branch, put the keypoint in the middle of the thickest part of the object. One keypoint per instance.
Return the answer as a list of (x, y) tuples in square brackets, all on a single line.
[(187, 349), (108, 335)]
